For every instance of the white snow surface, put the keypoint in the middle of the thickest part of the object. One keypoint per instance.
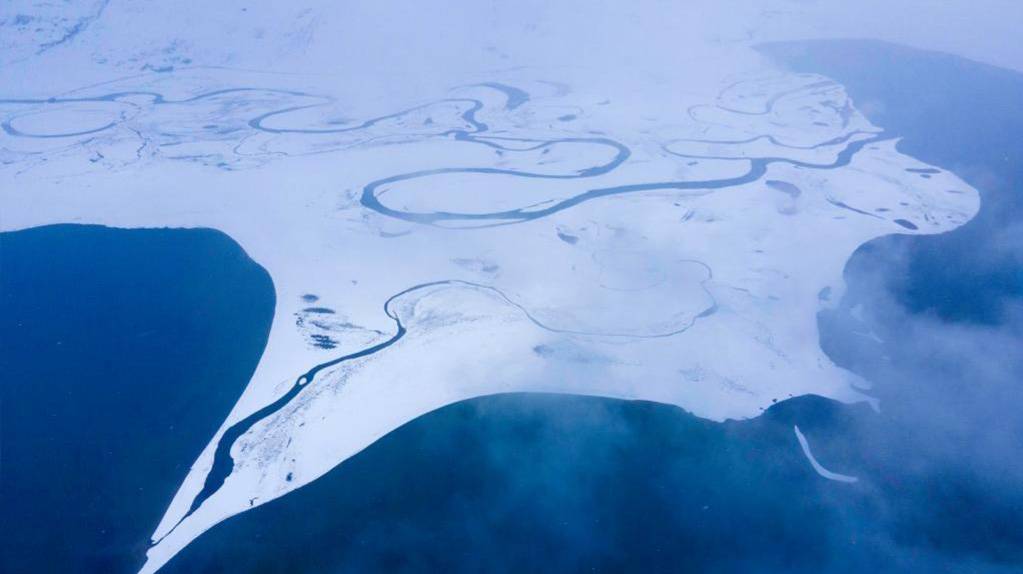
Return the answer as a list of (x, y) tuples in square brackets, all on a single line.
[(661, 227), (817, 467)]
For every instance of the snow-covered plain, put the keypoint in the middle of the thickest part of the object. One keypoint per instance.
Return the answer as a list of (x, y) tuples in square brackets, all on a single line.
[(510, 231)]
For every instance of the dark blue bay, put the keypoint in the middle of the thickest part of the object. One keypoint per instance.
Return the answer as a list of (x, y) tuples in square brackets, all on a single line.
[(543, 483), (949, 308), (122, 352)]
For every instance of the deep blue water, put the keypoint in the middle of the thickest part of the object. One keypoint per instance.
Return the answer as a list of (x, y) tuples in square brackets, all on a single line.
[(122, 352), (547, 483), (528, 483), (950, 372)]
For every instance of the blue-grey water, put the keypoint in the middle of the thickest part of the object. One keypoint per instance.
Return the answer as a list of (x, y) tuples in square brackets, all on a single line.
[(548, 483), (123, 351), (541, 483), (948, 307)]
